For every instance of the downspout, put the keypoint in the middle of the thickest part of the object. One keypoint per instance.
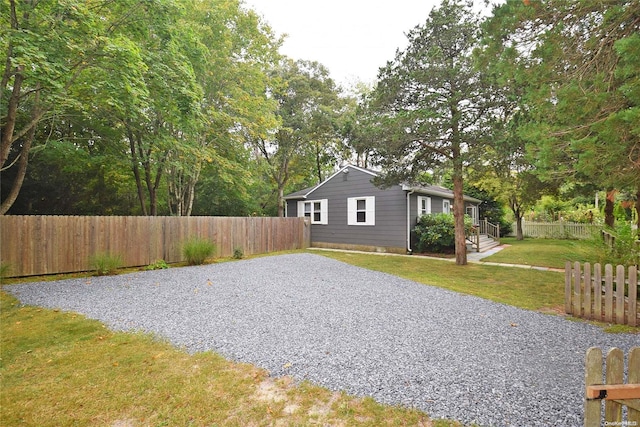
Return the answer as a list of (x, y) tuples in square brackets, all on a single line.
[(409, 250)]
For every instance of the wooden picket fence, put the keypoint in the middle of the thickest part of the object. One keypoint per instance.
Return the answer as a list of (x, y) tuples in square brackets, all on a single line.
[(34, 245), (611, 389), (589, 295), (557, 230)]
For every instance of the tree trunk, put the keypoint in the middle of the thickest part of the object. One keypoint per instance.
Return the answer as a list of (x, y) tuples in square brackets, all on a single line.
[(609, 219), (458, 214), (12, 114), (136, 170), (519, 233), (22, 171), (24, 158), (280, 201), (638, 211)]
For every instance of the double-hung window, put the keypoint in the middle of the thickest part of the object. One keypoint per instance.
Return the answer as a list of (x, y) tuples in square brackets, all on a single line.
[(446, 206), (316, 210), (424, 205), (361, 210)]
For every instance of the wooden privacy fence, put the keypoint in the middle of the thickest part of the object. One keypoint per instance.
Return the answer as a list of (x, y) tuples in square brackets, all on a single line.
[(33, 245), (590, 295), (612, 389), (557, 230)]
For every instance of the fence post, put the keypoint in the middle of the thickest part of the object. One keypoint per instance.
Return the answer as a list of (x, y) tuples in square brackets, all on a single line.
[(597, 291), (568, 293), (614, 372), (608, 293), (587, 291), (633, 301), (577, 297), (634, 378), (593, 375)]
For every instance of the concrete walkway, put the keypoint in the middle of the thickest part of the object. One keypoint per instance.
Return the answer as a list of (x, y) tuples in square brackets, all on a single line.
[(472, 257)]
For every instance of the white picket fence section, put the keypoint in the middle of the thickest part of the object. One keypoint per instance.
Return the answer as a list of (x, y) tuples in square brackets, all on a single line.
[(557, 230)]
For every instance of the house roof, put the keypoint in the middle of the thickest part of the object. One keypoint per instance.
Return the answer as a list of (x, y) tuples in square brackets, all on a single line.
[(432, 190)]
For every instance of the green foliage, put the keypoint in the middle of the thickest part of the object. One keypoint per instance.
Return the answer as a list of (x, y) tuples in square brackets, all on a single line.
[(436, 232), (105, 263), (238, 253), (196, 251), (490, 208), (625, 249), (159, 264)]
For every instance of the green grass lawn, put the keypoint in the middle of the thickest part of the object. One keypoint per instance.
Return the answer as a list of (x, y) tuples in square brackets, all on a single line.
[(525, 288), (544, 252)]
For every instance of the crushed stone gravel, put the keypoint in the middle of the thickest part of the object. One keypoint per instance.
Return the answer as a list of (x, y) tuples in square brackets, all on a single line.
[(364, 332)]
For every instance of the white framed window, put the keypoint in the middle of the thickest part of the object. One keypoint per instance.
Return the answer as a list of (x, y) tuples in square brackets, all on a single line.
[(316, 210), (446, 206), (424, 205), (361, 210)]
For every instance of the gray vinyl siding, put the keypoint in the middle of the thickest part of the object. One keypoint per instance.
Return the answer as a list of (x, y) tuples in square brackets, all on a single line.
[(390, 212)]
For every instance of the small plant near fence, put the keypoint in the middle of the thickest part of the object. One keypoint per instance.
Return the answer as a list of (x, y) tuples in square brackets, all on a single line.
[(105, 263), (5, 268), (159, 264), (238, 253), (196, 251)]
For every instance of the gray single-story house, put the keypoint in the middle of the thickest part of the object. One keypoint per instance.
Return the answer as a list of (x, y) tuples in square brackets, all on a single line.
[(347, 211)]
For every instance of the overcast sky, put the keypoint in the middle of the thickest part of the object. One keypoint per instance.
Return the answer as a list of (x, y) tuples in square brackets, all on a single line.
[(352, 38)]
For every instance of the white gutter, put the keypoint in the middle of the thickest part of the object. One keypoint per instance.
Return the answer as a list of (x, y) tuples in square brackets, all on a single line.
[(409, 250)]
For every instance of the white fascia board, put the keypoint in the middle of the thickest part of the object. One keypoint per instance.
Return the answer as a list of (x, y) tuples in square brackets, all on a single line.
[(332, 176), (443, 194)]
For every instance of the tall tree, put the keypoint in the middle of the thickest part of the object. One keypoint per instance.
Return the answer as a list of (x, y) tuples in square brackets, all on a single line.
[(582, 60), (309, 105), (430, 102), (235, 53), (47, 46)]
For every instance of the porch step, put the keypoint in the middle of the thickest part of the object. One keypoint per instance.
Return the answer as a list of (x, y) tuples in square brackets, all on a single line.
[(486, 243)]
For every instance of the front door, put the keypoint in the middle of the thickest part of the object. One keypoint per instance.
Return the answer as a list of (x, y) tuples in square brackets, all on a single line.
[(472, 211)]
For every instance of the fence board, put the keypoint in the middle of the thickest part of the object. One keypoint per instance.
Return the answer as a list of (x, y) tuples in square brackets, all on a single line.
[(633, 300), (614, 375), (597, 291), (620, 294), (593, 376), (586, 302), (634, 378), (608, 295), (34, 245)]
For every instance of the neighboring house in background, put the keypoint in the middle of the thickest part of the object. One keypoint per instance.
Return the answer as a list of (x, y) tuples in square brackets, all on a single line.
[(348, 212)]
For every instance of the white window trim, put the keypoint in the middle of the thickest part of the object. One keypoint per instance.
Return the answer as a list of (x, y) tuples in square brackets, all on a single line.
[(420, 199), (324, 210), (446, 206), (370, 210)]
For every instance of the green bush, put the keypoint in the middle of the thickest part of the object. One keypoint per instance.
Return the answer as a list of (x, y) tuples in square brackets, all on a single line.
[(105, 263), (625, 249), (238, 253), (5, 268), (196, 251), (159, 264), (436, 232)]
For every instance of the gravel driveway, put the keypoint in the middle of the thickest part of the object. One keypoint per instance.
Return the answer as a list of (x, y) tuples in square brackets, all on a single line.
[(352, 329)]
